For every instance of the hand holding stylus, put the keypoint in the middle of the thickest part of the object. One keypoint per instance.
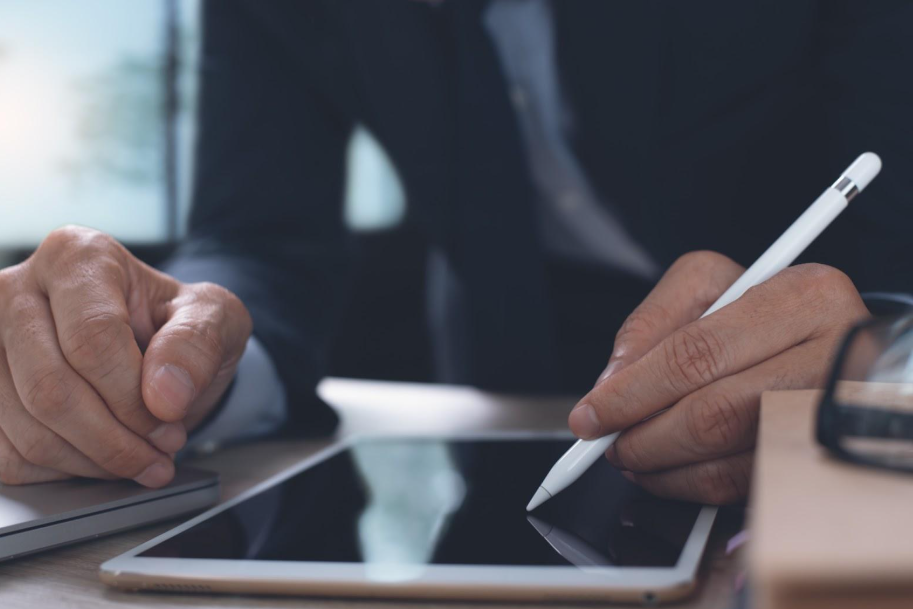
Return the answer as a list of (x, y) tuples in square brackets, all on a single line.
[(712, 371), (704, 344)]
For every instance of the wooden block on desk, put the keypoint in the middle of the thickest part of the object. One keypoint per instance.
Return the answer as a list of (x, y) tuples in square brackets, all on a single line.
[(824, 533)]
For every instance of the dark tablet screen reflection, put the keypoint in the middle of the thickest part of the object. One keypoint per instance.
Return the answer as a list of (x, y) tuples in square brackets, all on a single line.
[(450, 502)]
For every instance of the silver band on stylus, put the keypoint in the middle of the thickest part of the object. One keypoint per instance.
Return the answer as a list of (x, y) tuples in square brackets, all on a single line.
[(846, 187)]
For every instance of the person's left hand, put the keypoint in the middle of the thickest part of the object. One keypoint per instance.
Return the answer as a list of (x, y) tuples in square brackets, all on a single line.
[(711, 372)]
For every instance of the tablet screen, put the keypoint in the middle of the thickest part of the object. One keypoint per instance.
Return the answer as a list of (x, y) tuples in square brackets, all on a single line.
[(442, 501)]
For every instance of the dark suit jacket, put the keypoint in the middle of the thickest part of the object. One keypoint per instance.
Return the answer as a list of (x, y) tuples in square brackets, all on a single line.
[(710, 125)]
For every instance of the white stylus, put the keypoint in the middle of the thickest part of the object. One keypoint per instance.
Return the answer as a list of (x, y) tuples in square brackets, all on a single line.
[(778, 256)]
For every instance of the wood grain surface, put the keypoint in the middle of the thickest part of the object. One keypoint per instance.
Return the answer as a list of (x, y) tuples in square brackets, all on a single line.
[(68, 577), (826, 533)]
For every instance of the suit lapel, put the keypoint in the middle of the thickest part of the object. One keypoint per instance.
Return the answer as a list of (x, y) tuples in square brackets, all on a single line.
[(426, 81), (496, 247), (609, 58)]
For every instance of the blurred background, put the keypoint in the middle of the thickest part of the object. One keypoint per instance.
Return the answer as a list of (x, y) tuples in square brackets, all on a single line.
[(97, 117)]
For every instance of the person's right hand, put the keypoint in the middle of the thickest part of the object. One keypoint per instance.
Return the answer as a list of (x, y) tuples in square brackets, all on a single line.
[(105, 363)]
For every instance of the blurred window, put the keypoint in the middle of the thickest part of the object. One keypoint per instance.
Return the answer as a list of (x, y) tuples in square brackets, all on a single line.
[(374, 194), (97, 105), (94, 116)]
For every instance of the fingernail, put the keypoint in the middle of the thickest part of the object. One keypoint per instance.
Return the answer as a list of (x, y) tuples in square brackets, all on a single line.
[(169, 437), (583, 422), (611, 456), (156, 475), (611, 369), (175, 385)]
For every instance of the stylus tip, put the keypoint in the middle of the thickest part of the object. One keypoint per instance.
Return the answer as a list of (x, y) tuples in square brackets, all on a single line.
[(538, 499)]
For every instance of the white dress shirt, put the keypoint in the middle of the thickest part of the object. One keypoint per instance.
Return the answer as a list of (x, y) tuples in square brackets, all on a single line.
[(255, 407)]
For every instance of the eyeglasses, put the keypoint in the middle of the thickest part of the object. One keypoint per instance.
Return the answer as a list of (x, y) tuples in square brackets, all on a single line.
[(866, 413)]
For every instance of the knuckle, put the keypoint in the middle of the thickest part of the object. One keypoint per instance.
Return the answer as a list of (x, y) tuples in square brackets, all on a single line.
[(714, 271), (49, 394), (644, 321), (825, 288), (709, 275), (95, 341), (703, 260), (63, 237), (211, 290), (821, 274), (695, 357), (98, 241), (60, 241), (821, 280), (76, 243), (212, 293), (229, 306), (838, 288), (716, 423)]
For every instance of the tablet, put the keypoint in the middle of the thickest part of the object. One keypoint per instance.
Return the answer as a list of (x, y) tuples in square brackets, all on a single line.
[(432, 517)]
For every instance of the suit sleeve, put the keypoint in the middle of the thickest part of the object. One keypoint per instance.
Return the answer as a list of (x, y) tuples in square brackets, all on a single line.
[(266, 219)]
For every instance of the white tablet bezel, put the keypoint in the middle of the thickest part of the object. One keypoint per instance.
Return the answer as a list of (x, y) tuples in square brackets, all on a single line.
[(419, 581)]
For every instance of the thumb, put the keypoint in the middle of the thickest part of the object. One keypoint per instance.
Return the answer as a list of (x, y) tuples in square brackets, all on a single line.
[(684, 292), (191, 359)]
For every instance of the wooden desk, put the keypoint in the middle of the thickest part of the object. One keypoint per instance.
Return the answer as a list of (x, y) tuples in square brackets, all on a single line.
[(68, 577), (825, 533)]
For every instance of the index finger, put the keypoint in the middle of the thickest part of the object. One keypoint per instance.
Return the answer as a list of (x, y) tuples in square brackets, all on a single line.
[(684, 292), (765, 321)]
